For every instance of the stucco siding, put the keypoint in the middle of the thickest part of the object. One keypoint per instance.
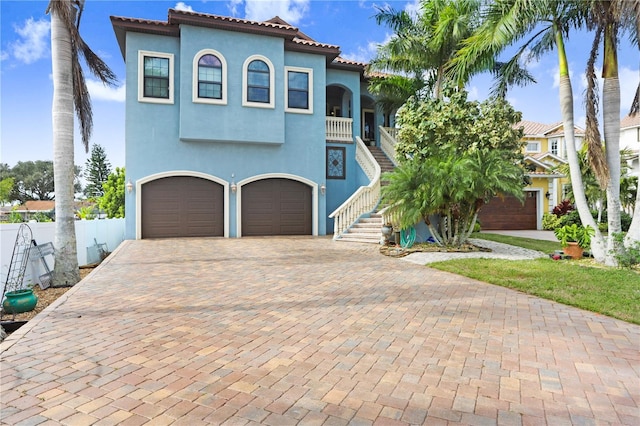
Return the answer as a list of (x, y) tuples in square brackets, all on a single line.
[(233, 121)]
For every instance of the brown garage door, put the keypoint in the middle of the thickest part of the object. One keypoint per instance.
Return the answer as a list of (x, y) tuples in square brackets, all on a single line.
[(276, 207), (509, 213), (182, 206)]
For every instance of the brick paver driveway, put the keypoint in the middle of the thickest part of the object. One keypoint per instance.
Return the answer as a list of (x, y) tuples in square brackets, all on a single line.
[(307, 331)]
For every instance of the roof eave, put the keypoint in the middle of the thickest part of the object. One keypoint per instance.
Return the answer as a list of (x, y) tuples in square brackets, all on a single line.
[(213, 21), (122, 25)]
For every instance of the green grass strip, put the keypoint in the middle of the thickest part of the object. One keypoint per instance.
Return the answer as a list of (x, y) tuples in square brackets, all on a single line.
[(608, 291)]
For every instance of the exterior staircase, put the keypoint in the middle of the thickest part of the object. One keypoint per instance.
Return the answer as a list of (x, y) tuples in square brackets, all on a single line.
[(368, 229), (385, 164)]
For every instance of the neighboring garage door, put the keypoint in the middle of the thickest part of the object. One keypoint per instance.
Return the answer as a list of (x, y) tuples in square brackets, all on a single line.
[(276, 207), (182, 206), (509, 213)]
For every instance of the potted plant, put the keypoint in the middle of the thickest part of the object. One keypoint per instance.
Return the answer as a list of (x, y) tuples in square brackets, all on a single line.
[(574, 239)]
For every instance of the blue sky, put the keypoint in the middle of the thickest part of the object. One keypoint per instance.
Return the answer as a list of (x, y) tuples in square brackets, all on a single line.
[(25, 66)]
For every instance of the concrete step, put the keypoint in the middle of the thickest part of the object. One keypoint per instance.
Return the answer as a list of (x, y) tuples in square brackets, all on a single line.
[(346, 238)]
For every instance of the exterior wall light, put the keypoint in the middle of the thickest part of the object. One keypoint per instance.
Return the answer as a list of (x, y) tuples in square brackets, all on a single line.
[(547, 195), (129, 186), (234, 187), (323, 189)]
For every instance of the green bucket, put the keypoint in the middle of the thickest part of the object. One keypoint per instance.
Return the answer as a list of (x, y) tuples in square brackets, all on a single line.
[(19, 301)]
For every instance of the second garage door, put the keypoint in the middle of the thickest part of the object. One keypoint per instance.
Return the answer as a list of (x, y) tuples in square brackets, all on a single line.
[(276, 207), (509, 213), (182, 206)]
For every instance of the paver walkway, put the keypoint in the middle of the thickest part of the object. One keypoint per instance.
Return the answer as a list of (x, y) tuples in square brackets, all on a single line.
[(305, 331)]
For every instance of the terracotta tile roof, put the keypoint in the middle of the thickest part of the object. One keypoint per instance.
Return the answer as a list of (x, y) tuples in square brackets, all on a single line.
[(532, 128), (314, 43), (174, 15), (38, 205), (630, 121), (295, 39)]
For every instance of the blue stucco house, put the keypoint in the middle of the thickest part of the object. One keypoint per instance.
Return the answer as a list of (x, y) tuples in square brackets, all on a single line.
[(241, 128)]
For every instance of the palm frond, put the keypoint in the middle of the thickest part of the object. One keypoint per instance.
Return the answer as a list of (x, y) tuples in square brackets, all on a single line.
[(70, 12), (593, 138)]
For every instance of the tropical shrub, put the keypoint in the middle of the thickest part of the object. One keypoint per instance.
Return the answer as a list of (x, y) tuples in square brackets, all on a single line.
[(575, 234), (550, 221), (565, 207), (454, 155), (626, 256)]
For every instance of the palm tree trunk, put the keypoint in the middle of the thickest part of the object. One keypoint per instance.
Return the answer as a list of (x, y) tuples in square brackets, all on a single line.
[(566, 107), (66, 260), (633, 236), (611, 126)]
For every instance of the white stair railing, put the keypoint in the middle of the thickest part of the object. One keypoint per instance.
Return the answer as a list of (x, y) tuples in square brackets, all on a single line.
[(388, 138), (339, 129), (365, 199)]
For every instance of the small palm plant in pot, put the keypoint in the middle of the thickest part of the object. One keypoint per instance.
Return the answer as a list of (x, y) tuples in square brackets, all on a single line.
[(574, 239)]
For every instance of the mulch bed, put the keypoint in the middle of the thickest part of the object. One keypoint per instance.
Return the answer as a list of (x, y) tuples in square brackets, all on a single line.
[(397, 251), (45, 298)]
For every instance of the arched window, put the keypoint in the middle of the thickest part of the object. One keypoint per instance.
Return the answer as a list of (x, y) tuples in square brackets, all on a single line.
[(209, 77), (258, 82)]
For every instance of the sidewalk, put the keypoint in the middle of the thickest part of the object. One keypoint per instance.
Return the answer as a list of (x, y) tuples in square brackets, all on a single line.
[(536, 235)]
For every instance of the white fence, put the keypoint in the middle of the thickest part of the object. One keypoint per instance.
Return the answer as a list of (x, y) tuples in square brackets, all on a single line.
[(88, 232)]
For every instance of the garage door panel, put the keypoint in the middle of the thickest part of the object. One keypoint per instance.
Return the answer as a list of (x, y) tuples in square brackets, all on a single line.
[(276, 207), (182, 206), (509, 213)]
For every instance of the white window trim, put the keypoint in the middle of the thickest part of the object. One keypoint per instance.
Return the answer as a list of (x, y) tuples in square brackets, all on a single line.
[(272, 80), (309, 72), (223, 61), (558, 148), (141, 97), (532, 142)]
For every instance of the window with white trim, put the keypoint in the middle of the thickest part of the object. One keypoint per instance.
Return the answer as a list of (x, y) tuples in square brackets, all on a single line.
[(155, 77), (209, 77), (554, 146), (298, 90), (533, 147), (258, 82)]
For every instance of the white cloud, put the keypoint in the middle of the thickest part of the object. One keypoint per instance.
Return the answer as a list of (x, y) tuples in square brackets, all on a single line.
[(292, 11), (629, 80), (233, 6), (33, 41), (413, 8), (183, 6), (473, 94), (367, 52), (99, 91)]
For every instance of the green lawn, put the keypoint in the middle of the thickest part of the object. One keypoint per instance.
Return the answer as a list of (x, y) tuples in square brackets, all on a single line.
[(528, 243), (608, 291)]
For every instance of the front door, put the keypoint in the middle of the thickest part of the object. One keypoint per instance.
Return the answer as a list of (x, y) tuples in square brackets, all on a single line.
[(368, 125)]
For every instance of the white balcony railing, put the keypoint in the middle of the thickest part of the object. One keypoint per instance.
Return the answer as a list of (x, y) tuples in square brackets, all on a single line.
[(388, 137), (365, 199), (339, 129)]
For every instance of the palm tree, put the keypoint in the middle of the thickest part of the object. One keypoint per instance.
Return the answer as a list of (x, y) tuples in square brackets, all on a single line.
[(422, 46), (506, 22), (608, 18), (69, 92)]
